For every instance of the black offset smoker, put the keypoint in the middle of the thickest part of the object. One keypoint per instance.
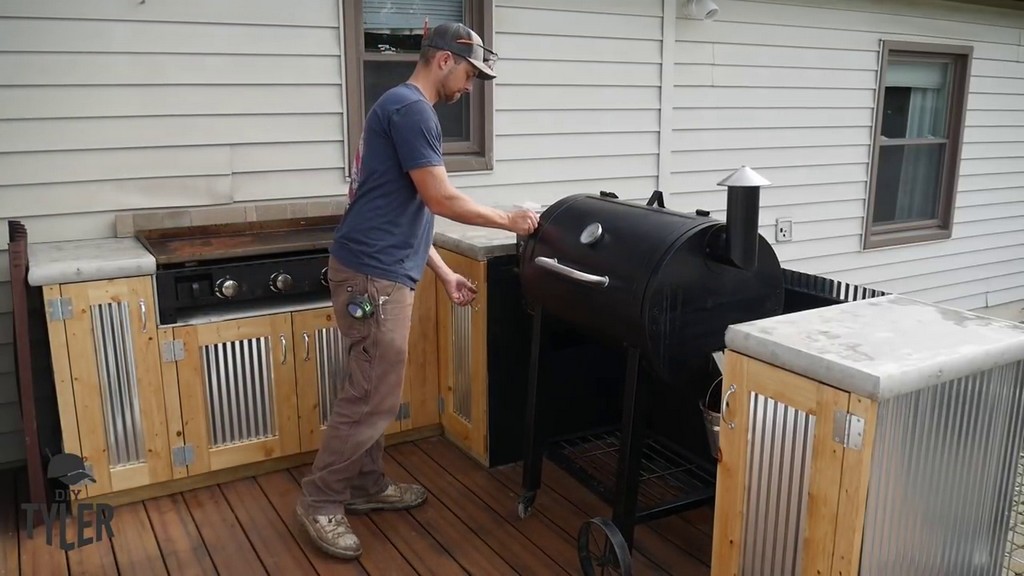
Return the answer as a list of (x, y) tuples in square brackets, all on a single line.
[(663, 285)]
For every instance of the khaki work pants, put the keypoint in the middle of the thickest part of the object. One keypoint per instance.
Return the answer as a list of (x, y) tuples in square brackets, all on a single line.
[(349, 463)]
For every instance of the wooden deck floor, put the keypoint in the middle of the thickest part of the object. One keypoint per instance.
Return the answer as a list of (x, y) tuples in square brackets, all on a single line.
[(247, 527)]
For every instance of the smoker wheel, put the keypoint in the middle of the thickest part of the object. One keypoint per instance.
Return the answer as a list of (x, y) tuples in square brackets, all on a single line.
[(601, 545), (526, 503)]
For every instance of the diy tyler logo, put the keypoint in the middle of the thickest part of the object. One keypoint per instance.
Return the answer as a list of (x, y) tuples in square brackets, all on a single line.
[(70, 470)]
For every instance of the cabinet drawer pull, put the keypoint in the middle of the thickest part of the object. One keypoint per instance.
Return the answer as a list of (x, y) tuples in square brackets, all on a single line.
[(142, 311), (725, 403), (284, 350), (305, 337)]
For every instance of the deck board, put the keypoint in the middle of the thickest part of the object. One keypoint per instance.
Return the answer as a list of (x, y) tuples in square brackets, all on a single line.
[(469, 525)]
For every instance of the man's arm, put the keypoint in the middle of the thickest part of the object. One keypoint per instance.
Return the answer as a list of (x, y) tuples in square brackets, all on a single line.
[(444, 200), (437, 264), (417, 137)]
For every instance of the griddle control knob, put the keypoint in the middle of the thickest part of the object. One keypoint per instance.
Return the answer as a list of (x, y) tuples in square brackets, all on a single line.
[(227, 288), (702, 212), (281, 282)]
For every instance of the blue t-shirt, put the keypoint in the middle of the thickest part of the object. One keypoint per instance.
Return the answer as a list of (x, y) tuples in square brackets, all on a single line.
[(387, 230)]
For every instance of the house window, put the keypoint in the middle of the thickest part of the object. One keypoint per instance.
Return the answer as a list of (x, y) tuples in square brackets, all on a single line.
[(382, 45), (919, 121)]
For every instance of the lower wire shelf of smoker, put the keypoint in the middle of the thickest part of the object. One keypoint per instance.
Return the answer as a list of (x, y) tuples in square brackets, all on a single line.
[(671, 481)]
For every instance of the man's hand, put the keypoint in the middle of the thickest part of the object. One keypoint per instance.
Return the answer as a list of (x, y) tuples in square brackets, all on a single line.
[(522, 222), (460, 290)]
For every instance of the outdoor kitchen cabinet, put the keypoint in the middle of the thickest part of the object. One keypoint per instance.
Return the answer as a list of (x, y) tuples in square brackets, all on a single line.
[(236, 385), (789, 444), (107, 371), (462, 359), (262, 387), (876, 437), (143, 404)]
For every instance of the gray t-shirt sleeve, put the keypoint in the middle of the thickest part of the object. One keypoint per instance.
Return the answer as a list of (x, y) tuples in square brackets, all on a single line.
[(416, 134)]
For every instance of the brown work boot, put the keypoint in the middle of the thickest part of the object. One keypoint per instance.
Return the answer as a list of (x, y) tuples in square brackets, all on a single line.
[(332, 533), (394, 497)]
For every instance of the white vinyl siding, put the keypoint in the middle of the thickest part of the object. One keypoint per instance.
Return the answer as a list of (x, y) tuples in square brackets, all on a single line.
[(109, 106), (577, 100), (788, 87), (147, 106)]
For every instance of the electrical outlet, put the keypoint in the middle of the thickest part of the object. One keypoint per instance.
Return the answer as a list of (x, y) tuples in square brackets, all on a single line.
[(783, 229)]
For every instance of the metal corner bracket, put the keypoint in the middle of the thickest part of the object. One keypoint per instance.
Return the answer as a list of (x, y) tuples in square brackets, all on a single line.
[(848, 430), (58, 309), (172, 350), (183, 455)]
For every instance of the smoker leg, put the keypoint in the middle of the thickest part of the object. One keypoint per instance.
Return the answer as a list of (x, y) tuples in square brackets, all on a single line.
[(634, 420), (533, 457)]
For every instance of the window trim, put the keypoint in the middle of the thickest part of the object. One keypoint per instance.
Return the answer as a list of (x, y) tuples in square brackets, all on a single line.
[(473, 156), (941, 228)]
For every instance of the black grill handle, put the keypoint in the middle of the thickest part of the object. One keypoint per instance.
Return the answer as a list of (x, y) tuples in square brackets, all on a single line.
[(657, 199), (553, 265)]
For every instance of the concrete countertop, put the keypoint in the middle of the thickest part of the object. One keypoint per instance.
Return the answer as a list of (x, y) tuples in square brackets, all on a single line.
[(105, 258), (86, 260), (881, 347), (474, 242)]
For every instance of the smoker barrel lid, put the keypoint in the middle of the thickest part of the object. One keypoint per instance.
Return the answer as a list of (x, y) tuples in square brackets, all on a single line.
[(881, 347)]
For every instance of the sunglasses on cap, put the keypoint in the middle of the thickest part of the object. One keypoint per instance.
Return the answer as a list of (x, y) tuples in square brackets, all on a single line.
[(490, 56)]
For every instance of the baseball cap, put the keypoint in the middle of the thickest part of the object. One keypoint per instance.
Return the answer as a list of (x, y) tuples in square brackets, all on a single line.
[(69, 468), (460, 40)]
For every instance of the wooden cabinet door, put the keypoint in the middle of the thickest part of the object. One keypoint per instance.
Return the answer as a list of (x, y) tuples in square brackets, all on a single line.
[(784, 477), (116, 383), (462, 358), (321, 354), (237, 386), (420, 391)]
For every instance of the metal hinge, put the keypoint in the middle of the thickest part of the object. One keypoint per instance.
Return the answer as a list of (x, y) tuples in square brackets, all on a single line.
[(58, 308), (172, 350), (183, 455), (403, 411), (440, 404), (848, 430)]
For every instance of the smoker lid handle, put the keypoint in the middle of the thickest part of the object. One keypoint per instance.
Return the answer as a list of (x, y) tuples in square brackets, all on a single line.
[(553, 265)]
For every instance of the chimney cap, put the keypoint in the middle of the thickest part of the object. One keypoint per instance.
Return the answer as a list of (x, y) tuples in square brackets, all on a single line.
[(744, 177)]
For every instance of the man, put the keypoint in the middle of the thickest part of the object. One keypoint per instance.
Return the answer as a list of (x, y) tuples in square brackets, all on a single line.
[(378, 256)]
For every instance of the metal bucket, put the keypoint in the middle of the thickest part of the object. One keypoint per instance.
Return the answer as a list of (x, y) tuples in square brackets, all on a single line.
[(712, 422)]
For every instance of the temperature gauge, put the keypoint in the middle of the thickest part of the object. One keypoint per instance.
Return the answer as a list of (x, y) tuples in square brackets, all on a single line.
[(592, 233)]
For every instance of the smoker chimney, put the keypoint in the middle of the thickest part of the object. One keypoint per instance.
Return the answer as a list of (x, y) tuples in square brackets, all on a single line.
[(742, 207)]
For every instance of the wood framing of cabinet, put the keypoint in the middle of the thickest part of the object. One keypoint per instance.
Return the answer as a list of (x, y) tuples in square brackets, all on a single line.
[(825, 494), (109, 386), (462, 359)]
